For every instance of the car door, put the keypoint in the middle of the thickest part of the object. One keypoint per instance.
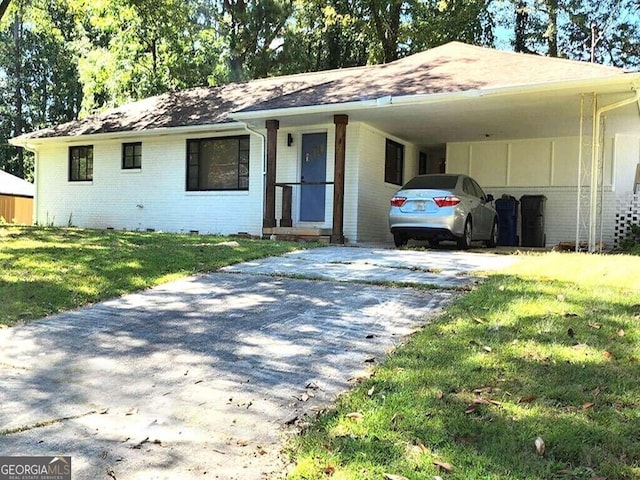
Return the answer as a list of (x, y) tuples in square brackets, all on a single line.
[(485, 212), (474, 206)]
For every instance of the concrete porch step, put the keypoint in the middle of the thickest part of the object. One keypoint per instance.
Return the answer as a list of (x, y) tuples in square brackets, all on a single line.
[(298, 233)]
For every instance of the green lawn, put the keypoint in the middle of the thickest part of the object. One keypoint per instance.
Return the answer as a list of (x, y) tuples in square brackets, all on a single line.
[(47, 270), (549, 348)]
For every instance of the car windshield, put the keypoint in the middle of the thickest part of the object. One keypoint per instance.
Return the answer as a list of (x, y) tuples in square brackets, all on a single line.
[(446, 182)]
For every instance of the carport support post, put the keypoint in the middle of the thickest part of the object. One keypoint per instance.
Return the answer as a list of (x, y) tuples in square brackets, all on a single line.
[(269, 220), (337, 233)]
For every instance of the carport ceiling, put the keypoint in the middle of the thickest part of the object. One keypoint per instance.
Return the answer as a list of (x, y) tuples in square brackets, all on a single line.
[(478, 116)]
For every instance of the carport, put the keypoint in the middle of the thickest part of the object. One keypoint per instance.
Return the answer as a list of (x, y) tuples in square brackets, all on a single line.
[(519, 124)]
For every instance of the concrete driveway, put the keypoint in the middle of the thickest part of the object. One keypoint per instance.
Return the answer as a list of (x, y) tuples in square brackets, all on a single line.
[(202, 378)]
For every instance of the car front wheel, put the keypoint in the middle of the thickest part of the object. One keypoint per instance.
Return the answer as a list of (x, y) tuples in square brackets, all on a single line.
[(493, 239), (464, 242)]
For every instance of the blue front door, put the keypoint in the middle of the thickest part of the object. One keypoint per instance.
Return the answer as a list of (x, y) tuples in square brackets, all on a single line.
[(314, 169)]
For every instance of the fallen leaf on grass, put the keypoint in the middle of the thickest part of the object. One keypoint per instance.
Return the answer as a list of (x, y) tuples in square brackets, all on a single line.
[(587, 405), (487, 349), (422, 448), (560, 297), (527, 399), (443, 466), (608, 355), (620, 332), (594, 325), (391, 476), (482, 389), (329, 470), (439, 394), (370, 391), (355, 416), (539, 443), (471, 408)]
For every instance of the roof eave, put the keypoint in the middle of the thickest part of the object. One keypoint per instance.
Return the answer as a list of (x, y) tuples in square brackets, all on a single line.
[(32, 143)]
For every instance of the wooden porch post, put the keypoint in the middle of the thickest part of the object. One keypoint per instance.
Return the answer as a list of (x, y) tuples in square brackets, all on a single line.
[(269, 220), (337, 233)]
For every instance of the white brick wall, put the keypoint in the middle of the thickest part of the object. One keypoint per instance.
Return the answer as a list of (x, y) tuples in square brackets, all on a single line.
[(153, 197), (373, 192)]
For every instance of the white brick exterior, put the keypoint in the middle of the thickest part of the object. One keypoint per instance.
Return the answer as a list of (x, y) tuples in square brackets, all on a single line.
[(153, 197), (373, 192)]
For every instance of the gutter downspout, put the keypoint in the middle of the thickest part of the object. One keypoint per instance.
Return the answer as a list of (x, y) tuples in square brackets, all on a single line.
[(250, 130), (595, 153), (264, 142)]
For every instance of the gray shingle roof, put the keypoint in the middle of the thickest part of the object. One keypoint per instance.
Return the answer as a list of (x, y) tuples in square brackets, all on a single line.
[(450, 68)]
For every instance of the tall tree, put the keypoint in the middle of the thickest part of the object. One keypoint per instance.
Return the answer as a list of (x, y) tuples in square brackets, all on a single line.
[(250, 28), (38, 76), (324, 35), (386, 19)]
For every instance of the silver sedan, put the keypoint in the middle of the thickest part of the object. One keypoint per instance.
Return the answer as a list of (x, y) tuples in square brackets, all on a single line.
[(443, 207)]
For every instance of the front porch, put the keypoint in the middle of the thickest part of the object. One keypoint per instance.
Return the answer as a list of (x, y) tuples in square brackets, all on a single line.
[(281, 224)]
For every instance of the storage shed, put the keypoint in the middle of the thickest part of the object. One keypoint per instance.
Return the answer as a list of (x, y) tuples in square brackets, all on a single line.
[(16, 199)]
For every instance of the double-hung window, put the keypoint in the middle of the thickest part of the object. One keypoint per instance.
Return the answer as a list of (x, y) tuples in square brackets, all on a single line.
[(393, 162), (218, 163), (81, 163), (131, 155)]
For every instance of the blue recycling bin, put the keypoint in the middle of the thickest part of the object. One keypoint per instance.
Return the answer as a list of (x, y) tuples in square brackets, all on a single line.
[(507, 208)]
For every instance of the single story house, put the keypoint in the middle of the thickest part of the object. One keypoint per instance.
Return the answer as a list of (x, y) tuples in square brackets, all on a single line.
[(322, 153), (16, 199)]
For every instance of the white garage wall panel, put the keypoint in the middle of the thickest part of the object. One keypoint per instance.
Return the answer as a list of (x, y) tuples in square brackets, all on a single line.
[(153, 197), (374, 192), (546, 166), (518, 163)]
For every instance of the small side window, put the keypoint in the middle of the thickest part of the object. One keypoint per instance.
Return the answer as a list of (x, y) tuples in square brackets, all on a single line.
[(131, 155), (394, 162), (81, 163)]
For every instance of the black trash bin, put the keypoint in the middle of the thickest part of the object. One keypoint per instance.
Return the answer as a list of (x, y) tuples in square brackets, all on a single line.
[(507, 208), (532, 216)]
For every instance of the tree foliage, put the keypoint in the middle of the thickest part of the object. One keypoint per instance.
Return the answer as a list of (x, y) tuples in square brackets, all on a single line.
[(61, 59)]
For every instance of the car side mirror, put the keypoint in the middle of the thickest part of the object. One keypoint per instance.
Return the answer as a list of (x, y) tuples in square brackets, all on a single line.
[(489, 198)]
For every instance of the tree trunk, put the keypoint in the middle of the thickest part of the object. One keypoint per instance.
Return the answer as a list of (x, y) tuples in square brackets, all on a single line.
[(522, 20), (552, 28), (3, 7), (18, 123), (387, 29)]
